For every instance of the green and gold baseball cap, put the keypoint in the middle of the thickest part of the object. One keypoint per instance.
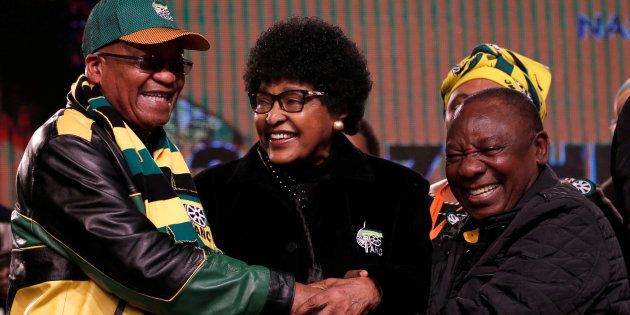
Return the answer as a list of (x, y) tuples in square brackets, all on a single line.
[(145, 22)]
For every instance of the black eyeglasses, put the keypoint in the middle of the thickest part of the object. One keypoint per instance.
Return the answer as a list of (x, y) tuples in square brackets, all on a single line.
[(291, 101), (151, 64)]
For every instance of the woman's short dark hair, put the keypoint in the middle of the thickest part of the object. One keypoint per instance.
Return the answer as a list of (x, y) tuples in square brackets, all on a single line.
[(309, 50), (371, 141)]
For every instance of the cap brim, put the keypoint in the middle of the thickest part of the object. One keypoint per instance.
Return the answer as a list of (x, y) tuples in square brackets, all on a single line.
[(160, 35)]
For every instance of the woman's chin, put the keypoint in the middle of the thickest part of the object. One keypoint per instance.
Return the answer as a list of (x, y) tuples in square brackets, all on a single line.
[(281, 158)]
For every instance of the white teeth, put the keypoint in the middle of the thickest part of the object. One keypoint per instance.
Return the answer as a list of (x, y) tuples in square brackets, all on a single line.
[(482, 190), (157, 96), (280, 136)]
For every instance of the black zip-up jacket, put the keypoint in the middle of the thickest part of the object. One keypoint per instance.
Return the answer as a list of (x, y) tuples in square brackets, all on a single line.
[(553, 253)]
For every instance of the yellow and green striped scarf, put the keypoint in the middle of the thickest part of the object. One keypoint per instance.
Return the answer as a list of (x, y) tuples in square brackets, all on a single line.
[(166, 193)]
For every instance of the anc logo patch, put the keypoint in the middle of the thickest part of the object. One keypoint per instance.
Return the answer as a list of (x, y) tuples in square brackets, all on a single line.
[(456, 70), (370, 240), (585, 186), (200, 224), (452, 218), (196, 215)]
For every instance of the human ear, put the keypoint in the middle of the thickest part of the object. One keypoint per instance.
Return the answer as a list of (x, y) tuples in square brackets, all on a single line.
[(93, 68), (541, 145)]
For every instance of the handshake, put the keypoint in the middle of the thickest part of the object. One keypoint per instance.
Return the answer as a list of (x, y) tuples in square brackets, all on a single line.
[(356, 293)]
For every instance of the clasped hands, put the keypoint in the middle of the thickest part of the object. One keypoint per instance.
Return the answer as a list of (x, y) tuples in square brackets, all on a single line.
[(356, 293)]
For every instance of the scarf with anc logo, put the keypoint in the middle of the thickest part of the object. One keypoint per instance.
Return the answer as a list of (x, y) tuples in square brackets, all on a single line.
[(504, 67), (165, 191)]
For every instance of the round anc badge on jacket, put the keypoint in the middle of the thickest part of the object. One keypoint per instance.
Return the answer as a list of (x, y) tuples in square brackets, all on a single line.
[(370, 240), (585, 186)]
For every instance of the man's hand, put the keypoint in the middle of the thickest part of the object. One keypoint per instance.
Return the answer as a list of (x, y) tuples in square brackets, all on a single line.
[(302, 294), (356, 295), (356, 273)]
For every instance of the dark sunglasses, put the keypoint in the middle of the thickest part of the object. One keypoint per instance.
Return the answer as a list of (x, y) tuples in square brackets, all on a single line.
[(151, 64)]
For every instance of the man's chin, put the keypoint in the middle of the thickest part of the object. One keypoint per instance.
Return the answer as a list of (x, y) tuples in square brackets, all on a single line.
[(151, 124), (480, 213)]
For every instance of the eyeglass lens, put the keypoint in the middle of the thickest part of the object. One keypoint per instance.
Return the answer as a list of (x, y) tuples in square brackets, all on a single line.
[(290, 101), (154, 64)]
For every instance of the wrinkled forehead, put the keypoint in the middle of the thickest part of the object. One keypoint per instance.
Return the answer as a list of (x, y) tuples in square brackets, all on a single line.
[(462, 92), (484, 119)]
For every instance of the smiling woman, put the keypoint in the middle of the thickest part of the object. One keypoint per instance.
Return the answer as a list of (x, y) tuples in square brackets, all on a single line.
[(322, 207), (303, 135)]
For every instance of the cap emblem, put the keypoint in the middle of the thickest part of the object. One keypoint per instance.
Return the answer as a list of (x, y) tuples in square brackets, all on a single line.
[(162, 10)]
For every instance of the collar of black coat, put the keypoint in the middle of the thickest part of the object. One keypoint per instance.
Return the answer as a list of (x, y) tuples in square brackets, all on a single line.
[(491, 227), (546, 179), (346, 162)]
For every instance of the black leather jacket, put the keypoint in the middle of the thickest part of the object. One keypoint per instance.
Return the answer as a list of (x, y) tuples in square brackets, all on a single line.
[(81, 246)]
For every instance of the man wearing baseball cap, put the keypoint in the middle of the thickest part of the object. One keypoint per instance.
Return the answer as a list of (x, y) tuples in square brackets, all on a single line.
[(108, 220)]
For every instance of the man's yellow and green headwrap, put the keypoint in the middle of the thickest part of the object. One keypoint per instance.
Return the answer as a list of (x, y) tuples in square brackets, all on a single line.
[(504, 67)]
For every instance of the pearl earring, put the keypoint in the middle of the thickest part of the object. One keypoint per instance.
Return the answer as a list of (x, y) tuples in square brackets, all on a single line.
[(338, 125)]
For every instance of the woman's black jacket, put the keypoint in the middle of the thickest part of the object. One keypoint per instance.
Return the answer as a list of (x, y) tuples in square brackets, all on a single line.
[(362, 196)]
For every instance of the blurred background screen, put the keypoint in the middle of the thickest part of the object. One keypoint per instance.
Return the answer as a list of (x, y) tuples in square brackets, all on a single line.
[(410, 47)]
